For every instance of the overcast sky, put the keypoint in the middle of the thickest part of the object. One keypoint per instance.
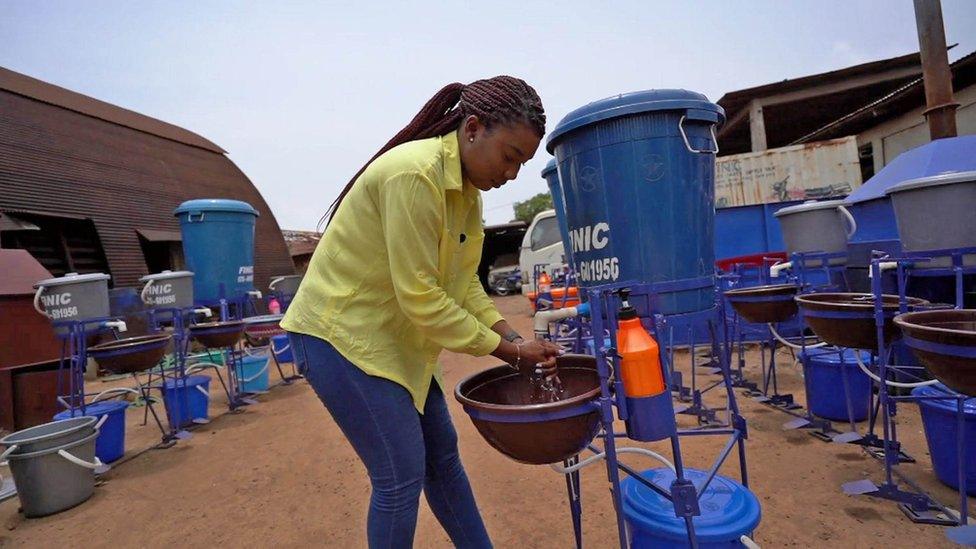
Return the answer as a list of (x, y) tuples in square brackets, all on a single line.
[(300, 94)]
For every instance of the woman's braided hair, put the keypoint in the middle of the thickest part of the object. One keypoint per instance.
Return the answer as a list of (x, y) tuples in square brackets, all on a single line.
[(498, 100)]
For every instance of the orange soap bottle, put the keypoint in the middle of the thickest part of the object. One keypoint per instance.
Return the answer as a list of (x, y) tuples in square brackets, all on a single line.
[(640, 363)]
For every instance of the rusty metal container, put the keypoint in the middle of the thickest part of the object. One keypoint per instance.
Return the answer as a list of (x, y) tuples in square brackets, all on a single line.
[(945, 342), (847, 319), (764, 304)]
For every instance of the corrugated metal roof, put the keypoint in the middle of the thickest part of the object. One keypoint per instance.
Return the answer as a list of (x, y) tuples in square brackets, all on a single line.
[(63, 162), (20, 272), (735, 100), (33, 88), (156, 235)]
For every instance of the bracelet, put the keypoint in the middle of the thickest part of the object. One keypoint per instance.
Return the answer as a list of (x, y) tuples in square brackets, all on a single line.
[(518, 355)]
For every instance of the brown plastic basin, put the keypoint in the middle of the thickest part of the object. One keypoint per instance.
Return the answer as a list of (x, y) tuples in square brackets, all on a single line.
[(216, 335), (940, 339), (498, 401), (764, 304), (847, 319), (132, 354)]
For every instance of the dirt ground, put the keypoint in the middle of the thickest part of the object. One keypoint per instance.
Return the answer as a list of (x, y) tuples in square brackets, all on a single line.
[(281, 474)]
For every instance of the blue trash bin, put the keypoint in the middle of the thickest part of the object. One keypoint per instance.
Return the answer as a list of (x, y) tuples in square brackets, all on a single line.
[(282, 348), (110, 444), (825, 384), (218, 244), (551, 175), (939, 423), (187, 400), (728, 511), (638, 178), (253, 374)]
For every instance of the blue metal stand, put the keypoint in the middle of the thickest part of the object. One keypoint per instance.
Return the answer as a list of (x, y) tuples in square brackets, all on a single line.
[(683, 493), (917, 505)]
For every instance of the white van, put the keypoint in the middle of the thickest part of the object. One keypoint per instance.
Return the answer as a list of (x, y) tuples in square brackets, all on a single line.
[(542, 245)]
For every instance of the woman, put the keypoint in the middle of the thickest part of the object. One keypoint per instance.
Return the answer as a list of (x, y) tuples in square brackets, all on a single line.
[(394, 281)]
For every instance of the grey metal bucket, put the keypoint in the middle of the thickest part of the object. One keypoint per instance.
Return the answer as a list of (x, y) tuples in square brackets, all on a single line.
[(286, 285), (53, 480), (817, 227), (73, 297), (49, 435), (168, 289), (936, 213)]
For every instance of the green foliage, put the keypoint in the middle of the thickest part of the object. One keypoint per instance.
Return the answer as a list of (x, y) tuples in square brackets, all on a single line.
[(527, 210)]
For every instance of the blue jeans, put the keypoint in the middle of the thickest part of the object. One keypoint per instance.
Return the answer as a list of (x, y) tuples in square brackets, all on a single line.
[(404, 451)]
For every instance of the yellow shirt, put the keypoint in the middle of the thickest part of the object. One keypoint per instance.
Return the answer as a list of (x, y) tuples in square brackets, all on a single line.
[(394, 279)]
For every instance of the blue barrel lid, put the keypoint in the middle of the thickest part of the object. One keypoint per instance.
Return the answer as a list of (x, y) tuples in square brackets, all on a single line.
[(191, 381), (808, 206), (215, 205), (948, 405), (94, 409), (941, 156), (934, 181), (550, 167), (728, 509), (832, 356), (633, 103)]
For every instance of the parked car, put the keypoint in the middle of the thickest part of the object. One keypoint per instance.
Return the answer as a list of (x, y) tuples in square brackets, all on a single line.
[(542, 245)]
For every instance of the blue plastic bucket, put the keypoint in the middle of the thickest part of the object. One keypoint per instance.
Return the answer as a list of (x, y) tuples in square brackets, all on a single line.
[(728, 511), (252, 373), (218, 243), (825, 384), (110, 444), (638, 178), (187, 399), (282, 348), (939, 422), (551, 175)]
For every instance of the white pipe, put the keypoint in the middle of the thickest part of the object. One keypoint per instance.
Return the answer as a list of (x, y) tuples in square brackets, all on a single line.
[(117, 324), (748, 542), (793, 345), (851, 222), (256, 294), (870, 374), (884, 266), (145, 292), (602, 455), (111, 391), (37, 301), (542, 319), (202, 366), (775, 269), (203, 311)]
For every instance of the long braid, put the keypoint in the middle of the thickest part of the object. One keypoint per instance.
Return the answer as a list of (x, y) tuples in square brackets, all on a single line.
[(502, 99)]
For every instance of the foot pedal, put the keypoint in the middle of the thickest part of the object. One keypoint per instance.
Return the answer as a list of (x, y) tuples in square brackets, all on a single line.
[(846, 438), (796, 423), (929, 516), (859, 487)]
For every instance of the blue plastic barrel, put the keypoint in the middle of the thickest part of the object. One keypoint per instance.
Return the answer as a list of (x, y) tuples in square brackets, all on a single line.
[(939, 423), (218, 244), (638, 178), (110, 444), (825, 384), (282, 348), (252, 373), (728, 511), (187, 400), (551, 175)]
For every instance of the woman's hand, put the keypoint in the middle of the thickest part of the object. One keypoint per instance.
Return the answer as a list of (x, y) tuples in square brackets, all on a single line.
[(528, 357)]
